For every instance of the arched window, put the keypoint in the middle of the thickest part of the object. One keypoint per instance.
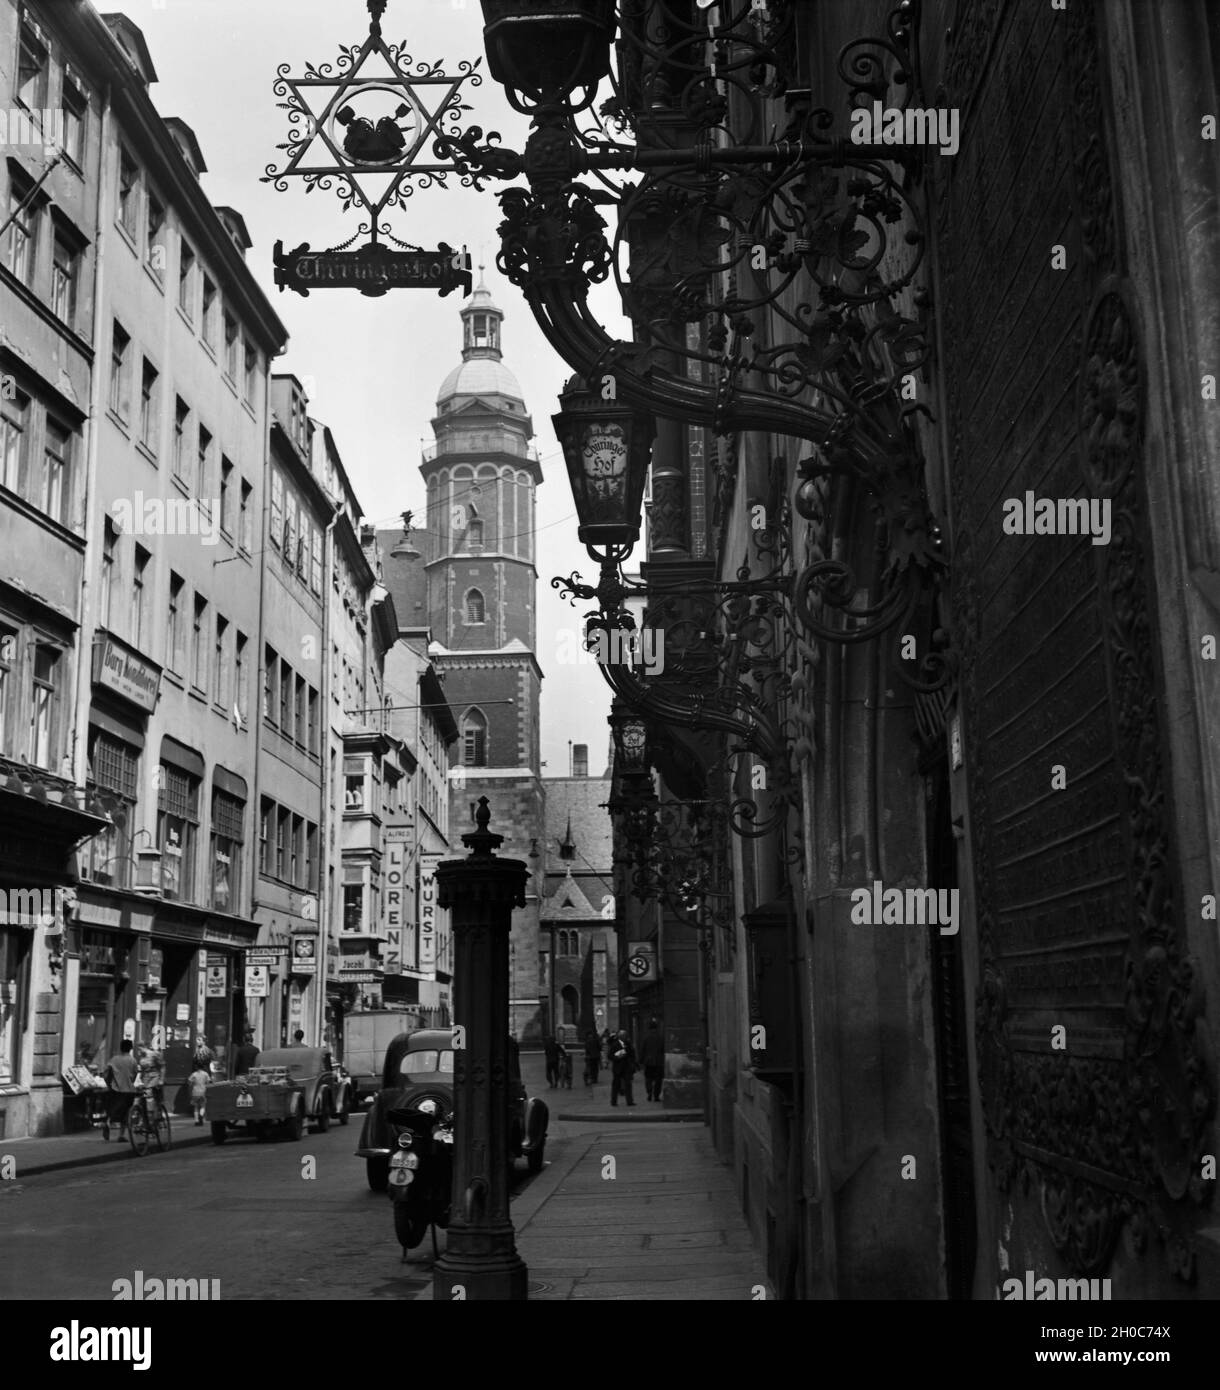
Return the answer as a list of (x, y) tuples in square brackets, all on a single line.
[(474, 739), (475, 610)]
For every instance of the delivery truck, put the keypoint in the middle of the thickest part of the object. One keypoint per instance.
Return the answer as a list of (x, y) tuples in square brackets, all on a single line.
[(365, 1039)]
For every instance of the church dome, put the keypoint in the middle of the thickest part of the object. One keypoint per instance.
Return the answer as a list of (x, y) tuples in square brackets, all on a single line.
[(480, 376)]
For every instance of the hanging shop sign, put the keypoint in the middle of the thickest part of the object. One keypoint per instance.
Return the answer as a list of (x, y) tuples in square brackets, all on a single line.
[(372, 269)]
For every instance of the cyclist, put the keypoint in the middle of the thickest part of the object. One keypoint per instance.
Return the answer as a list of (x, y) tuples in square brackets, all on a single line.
[(152, 1071)]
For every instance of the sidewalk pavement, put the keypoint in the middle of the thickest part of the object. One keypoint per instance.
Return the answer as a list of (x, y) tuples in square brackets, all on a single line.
[(82, 1150), (635, 1215)]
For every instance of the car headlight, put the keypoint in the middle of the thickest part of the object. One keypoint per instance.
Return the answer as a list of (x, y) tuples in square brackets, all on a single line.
[(405, 1141), (429, 1107)]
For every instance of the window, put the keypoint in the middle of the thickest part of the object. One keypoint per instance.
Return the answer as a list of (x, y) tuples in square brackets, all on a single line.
[(353, 906), (154, 221), (231, 347), (226, 494), (474, 607), (182, 418), (113, 768), (209, 312), (285, 699), (228, 817), (32, 67), (239, 672), (283, 833), (22, 240), (129, 193), (271, 671), (174, 637), (474, 739), (266, 836), (251, 373), (42, 708), (311, 857), (105, 593), (296, 850), (299, 728), (186, 280), (150, 399), (312, 733), (120, 371), (204, 455), (246, 517), (315, 573), (76, 116), (138, 590), (290, 530), (65, 267), (199, 650), (177, 823), (14, 441), (57, 471), (354, 780), (9, 680), (474, 534), (220, 674), (277, 506)]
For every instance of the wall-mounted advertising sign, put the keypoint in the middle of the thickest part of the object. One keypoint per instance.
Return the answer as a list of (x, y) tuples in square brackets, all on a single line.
[(427, 910)]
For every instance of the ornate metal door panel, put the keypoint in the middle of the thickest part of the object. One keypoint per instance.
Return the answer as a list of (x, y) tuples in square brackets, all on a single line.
[(1078, 917)]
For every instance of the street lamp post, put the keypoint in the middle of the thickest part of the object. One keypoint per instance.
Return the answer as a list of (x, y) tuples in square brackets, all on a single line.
[(480, 1259)]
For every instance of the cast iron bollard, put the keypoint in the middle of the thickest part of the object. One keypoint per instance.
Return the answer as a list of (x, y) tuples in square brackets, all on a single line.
[(480, 1259)]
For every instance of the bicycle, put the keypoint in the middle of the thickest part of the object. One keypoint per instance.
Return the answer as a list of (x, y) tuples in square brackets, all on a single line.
[(145, 1124)]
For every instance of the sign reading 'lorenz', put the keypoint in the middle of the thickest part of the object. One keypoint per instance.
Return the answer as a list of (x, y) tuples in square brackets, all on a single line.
[(372, 269)]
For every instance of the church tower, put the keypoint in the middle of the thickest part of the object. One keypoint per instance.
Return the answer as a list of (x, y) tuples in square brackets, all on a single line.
[(479, 546)]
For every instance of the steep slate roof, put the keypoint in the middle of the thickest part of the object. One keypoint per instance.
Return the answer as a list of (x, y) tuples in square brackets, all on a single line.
[(567, 902), (582, 798)]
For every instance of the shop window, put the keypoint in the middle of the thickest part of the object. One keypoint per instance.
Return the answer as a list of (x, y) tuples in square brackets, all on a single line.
[(14, 984), (177, 826), (228, 817)]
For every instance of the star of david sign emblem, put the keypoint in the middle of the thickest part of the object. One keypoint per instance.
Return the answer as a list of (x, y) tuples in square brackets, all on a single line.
[(364, 124)]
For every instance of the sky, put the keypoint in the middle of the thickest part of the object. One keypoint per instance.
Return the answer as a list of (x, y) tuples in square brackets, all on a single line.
[(372, 366)]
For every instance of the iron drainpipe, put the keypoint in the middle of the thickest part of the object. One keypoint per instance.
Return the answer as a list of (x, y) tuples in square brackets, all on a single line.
[(256, 702), (328, 560)]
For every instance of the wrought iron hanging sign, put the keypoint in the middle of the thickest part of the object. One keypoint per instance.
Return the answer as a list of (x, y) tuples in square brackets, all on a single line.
[(363, 126)]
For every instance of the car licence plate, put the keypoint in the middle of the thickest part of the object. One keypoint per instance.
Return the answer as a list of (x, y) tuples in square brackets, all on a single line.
[(245, 1102), (402, 1177)]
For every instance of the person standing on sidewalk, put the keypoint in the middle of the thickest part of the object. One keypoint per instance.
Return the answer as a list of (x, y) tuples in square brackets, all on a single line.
[(247, 1055), (622, 1067), (652, 1058), (551, 1048), (593, 1058), (199, 1093), (120, 1076)]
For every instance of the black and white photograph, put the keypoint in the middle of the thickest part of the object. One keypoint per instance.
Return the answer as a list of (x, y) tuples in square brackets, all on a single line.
[(570, 557)]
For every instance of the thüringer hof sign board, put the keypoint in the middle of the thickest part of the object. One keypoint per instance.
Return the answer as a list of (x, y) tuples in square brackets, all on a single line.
[(372, 269)]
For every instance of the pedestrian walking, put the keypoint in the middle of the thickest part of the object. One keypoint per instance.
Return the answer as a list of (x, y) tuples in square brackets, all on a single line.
[(652, 1059), (551, 1048), (120, 1076), (199, 1093), (622, 1068), (593, 1058)]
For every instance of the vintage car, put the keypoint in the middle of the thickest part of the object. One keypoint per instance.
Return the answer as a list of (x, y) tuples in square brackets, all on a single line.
[(419, 1066), (286, 1087)]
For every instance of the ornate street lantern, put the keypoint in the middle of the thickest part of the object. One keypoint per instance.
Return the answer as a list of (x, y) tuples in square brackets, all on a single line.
[(630, 742), (607, 447), (548, 46)]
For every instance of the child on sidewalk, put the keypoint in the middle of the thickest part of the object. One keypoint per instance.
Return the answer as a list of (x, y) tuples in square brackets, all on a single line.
[(199, 1092)]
